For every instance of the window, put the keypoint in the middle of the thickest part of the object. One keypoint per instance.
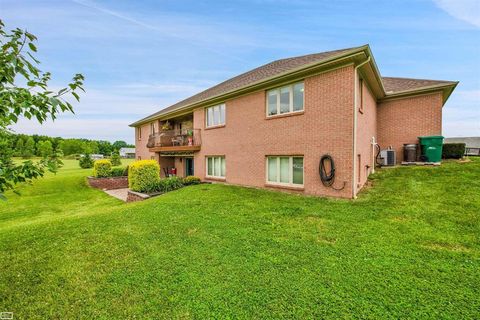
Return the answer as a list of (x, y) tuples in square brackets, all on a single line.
[(152, 128), (139, 158), (286, 99), (285, 170), (215, 116), (216, 167), (139, 133)]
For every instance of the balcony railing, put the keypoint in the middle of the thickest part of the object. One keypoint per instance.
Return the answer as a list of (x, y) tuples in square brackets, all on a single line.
[(186, 139)]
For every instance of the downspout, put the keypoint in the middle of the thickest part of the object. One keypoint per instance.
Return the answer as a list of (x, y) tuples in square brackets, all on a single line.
[(374, 143), (355, 115)]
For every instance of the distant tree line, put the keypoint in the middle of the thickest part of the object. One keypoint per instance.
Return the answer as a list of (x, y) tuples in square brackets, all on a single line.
[(27, 146)]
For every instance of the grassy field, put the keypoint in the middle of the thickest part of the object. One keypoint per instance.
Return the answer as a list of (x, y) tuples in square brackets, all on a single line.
[(407, 248)]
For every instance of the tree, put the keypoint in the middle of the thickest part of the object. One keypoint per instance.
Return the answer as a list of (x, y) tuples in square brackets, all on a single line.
[(29, 148), (104, 147), (71, 146), (119, 144), (91, 147), (86, 161), (24, 93), (19, 147), (115, 159), (45, 148)]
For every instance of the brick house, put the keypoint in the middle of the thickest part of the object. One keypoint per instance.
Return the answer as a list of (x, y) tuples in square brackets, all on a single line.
[(270, 126)]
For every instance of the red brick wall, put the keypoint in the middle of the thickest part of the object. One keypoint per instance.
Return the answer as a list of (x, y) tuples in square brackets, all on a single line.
[(325, 127), (165, 162), (133, 196), (108, 183), (141, 149), (366, 129), (403, 120)]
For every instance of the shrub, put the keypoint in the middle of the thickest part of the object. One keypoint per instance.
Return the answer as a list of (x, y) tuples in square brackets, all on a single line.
[(169, 184), (115, 159), (86, 162), (190, 180), (143, 175), (118, 172), (453, 150), (102, 168)]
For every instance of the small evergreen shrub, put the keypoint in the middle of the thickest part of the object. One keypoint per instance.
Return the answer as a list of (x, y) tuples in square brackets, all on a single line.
[(86, 162), (190, 180), (118, 172), (115, 159), (143, 175), (453, 150), (102, 168), (169, 184)]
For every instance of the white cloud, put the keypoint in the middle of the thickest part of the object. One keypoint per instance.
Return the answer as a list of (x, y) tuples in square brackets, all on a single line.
[(465, 10), (461, 114)]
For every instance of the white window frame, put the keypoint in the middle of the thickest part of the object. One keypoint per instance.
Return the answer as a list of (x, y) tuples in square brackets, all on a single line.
[(290, 165), (277, 91), (220, 106), (152, 127), (139, 133), (213, 167)]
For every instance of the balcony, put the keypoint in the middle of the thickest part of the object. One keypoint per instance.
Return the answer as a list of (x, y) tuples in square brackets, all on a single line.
[(175, 140)]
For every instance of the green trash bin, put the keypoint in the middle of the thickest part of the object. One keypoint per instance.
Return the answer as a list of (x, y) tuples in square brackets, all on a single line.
[(432, 148)]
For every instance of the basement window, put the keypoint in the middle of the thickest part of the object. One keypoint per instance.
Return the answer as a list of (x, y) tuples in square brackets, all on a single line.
[(216, 167), (285, 171)]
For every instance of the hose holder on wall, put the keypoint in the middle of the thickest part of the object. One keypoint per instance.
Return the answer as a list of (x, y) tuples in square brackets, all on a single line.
[(328, 178)]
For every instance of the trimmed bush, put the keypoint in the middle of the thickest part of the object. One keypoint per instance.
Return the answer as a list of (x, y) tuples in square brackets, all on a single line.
[(118, 172), (115, 159), (143, 175), (169, 184), (102, 168), (86, 162), (453, 150), (190, 180)]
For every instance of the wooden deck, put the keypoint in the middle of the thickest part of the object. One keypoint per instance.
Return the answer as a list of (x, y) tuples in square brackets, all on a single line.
[(174, 148)]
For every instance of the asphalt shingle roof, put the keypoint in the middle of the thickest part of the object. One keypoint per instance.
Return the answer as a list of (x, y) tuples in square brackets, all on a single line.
[(283, 66), (250, 77), (394, 85)]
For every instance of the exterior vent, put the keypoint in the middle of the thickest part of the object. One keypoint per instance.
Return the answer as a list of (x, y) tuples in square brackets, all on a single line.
[(388, 157)]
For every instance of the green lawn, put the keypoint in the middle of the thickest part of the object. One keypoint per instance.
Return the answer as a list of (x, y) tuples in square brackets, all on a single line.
[(407, 248)]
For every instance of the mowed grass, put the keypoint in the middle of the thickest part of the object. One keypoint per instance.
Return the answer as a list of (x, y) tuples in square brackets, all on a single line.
[(407, 248)]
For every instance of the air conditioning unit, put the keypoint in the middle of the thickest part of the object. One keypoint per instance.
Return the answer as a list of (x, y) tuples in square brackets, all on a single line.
[(388, 157)]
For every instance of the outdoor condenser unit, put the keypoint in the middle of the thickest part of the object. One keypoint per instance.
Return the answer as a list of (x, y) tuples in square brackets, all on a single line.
[(387, 157)]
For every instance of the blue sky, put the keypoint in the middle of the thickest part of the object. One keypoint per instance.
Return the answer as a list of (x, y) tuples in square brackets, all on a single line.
[(141, 56)]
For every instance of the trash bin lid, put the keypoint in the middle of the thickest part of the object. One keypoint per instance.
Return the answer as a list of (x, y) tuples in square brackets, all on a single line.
[(431, 137)]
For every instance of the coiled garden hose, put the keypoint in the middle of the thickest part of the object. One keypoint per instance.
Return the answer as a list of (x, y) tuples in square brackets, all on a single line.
[(328, 178)]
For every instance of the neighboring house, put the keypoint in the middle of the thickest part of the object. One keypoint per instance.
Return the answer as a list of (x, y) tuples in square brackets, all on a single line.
[(127, 152), (94, 156), (270, 126), (472, 144)]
